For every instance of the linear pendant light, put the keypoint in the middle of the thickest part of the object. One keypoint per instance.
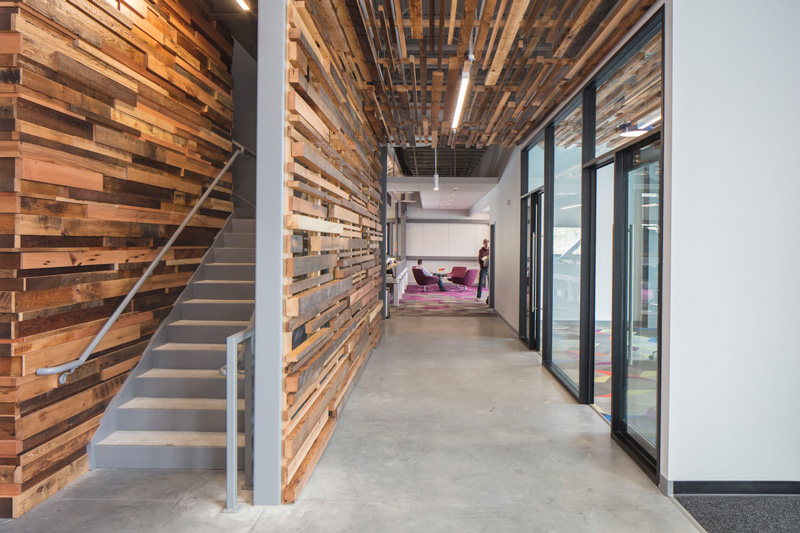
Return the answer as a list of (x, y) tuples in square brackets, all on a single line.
[(462, 90), (435, 169)]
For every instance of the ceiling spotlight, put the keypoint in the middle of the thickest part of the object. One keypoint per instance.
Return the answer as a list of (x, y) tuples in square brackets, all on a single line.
[(243, 5)]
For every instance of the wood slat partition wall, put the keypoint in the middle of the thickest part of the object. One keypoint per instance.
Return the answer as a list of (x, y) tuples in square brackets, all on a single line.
[(333, 231), (114, 118)]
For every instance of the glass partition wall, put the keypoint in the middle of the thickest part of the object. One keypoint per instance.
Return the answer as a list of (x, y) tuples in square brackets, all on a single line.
[(597, 167), (566, 239)]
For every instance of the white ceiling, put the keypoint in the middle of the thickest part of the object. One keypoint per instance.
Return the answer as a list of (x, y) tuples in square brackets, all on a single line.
[(453, 193)]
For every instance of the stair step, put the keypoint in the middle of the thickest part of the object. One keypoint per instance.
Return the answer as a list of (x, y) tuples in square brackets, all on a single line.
[(244, 225), (184, 383), (200, 309), (239, 240), (189, 355), (165, 449), (176, 414), (204, 331), (231, 271), (235, 255), (224, 290), (202, 404), (169, 438)]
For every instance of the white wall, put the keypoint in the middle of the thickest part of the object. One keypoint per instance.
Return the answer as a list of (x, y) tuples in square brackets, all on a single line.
[(734, 359), (445, 240), (504, 209)]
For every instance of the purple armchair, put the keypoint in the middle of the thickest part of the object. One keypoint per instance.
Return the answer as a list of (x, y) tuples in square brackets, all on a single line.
[(457, 271), (423, 280), (467, 279)]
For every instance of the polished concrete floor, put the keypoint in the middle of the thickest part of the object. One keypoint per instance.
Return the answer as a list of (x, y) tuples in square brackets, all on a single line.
[(453, 427)]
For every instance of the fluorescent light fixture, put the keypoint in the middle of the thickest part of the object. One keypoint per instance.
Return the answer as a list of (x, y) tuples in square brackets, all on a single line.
[(632, 133), (462, 93), (626, 130), (650, 122), (462, 90), (242, 4), (571, 206), (436, 182)]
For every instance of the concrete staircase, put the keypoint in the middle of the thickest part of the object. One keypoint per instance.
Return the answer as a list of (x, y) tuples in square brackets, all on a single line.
[(171, 412)]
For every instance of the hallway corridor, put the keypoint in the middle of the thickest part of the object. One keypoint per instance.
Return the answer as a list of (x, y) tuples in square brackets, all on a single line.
[(456, 427), (453, 427)]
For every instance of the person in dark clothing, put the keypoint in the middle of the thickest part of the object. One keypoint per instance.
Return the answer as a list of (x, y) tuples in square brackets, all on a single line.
[(483, 260), (425, 271)]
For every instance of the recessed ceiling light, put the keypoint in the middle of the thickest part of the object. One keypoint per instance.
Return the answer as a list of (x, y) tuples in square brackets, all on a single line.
[(455, 188)]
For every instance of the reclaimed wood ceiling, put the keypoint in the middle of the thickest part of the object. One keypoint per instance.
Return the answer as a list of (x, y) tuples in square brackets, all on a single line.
[(528, 55)]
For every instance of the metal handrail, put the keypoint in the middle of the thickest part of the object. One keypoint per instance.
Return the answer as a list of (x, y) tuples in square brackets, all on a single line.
[(232, 411), (69, 368)]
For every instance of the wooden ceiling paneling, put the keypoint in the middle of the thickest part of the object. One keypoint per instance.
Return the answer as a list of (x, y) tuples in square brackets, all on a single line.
[(529, 55)]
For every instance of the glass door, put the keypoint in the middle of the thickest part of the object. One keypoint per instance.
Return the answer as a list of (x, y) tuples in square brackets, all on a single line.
[(525, 273), (534, 307), (531, 319), (637, 325)]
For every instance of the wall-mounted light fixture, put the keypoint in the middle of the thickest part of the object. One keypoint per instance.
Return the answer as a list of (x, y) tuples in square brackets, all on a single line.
[(243, 5), (462, 90)]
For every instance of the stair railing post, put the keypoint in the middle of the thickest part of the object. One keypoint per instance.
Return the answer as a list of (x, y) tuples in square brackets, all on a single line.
[(248, 411), (231, 411)]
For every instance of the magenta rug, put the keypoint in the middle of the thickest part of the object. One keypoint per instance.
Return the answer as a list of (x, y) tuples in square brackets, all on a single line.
[(452, 302)]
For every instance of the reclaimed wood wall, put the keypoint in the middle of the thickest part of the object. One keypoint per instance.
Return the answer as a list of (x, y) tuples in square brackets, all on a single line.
[(333, 232), (114, 118)]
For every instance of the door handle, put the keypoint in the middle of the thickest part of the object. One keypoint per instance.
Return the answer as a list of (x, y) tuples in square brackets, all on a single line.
[(628, 312)]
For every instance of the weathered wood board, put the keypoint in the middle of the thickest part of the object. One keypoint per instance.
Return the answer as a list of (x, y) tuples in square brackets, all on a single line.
[(114, 117), (332, 309)]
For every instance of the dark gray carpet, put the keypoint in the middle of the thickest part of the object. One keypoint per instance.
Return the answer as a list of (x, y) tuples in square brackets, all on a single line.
[(745, 514)]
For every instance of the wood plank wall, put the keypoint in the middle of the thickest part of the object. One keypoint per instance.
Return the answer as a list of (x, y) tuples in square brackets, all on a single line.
[(333, 231), (114, 118)]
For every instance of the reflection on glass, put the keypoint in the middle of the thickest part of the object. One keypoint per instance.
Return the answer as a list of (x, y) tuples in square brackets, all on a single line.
[(639, 403), (604, 243), (536, 166), (567, 245), (629, 98)]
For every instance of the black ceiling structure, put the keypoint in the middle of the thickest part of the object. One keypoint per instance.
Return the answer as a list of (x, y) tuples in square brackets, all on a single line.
[(452, 162)]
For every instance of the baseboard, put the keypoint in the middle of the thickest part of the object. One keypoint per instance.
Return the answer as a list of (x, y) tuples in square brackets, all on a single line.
[(665, 485), (735, 487)]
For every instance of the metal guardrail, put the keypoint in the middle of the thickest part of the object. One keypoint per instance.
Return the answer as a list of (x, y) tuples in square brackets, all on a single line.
[(69, 368), (232, 360)]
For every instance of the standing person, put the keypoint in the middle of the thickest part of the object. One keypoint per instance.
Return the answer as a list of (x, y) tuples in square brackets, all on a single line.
[(483, 261), (425, 271)]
